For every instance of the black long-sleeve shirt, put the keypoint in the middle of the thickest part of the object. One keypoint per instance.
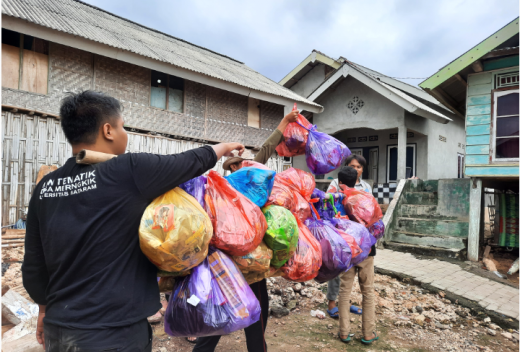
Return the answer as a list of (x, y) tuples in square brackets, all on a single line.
[(82, 255)]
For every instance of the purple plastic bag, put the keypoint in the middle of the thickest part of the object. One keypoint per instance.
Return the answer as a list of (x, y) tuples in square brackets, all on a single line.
[(324, 153), (196, 187), (323, 205), (336, 254), (214, 300), (363, 238), (377, 229)]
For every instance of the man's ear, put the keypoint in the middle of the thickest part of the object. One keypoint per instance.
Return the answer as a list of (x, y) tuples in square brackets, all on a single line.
[(108, 131)]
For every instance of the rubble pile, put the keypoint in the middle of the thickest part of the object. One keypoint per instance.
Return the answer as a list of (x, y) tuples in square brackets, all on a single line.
[(285, 296)]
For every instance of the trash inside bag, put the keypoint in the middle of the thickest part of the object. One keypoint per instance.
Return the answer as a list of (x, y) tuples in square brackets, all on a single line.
[(251, 163), (324, 153), (328, 205), (335, 251), (363, 238), (175, 231), (361, 206), (306, 260), (281, 235), (253, 277), (377, 229), (196, 187), (214, 300), (239, 225), (258, 260), (295, 137), (256, 184)]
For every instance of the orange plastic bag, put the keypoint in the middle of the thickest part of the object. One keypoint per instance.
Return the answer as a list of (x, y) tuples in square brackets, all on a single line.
[(361, 206), (295, 137), (239, 225), (306, 261)]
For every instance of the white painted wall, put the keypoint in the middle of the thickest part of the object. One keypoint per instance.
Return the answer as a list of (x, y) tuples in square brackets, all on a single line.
[(308, 83)]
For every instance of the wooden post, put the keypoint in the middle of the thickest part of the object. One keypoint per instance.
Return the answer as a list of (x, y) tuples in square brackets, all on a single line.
[(475, 203), (401, 153)]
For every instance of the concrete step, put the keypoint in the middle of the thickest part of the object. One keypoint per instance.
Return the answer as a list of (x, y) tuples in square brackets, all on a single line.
[(413, 238), (420, 198), (417, 210), (432, 226), (427, 250)]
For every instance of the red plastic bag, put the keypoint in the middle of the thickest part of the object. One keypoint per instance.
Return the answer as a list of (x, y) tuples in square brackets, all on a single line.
[(306, 261), (297, 180), (361, 206), (251, 163), (295, 137), (239, 225)]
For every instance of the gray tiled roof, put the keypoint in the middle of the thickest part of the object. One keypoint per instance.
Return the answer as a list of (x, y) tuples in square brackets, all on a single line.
[(83, 20)]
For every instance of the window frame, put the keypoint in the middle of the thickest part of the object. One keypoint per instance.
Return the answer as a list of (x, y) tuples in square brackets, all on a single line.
[(168, 93), (495, 94)]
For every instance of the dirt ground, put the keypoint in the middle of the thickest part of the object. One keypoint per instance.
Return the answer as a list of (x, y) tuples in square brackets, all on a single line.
[(442, 331)]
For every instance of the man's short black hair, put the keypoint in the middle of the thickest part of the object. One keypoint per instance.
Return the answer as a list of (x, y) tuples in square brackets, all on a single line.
[(82, 114), (360, 159), (348, 176)]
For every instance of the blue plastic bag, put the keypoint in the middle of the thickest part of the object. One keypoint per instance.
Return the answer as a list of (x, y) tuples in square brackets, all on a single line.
[(214, 300), (324, 153), (254, 183), (363, 238), (336, 254), (196, 187)]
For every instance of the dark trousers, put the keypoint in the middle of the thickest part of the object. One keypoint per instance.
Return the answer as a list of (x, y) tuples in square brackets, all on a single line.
[(132, 338), (255, 338)]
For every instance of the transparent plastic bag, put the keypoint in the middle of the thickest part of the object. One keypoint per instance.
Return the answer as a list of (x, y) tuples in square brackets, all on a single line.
[(256, 261), (361, 206), (239, 225), (281, 235), (175, 231), (295, 137), (256, 184), (196, 187), (306, 260), (336, 255), (214, 300)]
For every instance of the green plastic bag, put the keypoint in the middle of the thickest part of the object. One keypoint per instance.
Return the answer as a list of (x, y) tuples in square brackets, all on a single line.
[(281, 235)]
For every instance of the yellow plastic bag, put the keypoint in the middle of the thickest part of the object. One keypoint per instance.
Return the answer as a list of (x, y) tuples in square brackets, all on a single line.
[(256, 261), (175, 231)]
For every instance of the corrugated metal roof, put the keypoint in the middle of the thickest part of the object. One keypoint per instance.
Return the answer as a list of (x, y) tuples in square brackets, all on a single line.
[(89, 22)]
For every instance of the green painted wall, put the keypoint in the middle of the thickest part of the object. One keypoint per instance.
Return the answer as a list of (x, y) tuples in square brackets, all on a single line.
[(453, 195), (503, 62)]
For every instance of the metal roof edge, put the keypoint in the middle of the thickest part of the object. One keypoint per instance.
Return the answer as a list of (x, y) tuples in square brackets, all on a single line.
[(313, 56), (472, 55)]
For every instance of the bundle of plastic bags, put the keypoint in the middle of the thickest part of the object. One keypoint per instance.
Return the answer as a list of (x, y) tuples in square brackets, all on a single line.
[(196, 187), (361, 206), (336, 255), (324, 153), (328, 205), (238, 223), (377, 230), (251, 163), (306, 260), (175, 231), (295, 137), (256, 261), (256, 184), (214, 300), (281, 235), (361, 235)]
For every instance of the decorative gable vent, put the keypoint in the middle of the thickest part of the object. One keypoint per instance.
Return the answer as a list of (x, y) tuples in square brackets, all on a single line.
[(355, 104), (506, 80)]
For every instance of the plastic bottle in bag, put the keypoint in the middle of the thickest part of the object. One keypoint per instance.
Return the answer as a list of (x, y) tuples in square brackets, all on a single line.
[(239, 225), (175, 231)]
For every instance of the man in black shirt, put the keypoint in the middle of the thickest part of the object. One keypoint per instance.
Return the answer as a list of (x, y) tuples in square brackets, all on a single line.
[(83, 265)]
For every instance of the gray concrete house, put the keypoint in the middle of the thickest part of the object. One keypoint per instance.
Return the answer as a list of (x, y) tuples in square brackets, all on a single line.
[(176, 95), (400, 130)]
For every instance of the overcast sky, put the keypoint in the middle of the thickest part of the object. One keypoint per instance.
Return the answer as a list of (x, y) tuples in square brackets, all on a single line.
[(400, 38)]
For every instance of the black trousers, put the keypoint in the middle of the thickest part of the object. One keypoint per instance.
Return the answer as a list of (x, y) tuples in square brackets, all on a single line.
[(255, 338), (132, 338)]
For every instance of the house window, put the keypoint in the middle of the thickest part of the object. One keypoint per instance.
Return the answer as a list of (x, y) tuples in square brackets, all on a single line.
[(505, 122), (25, 62), (167, 92), (253, 113), (460, 165), (506, 80)]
